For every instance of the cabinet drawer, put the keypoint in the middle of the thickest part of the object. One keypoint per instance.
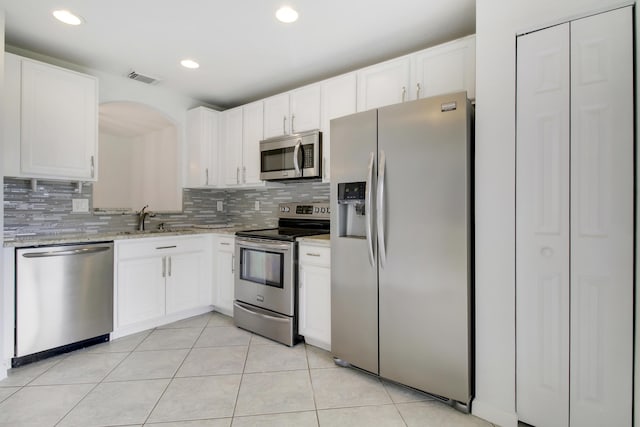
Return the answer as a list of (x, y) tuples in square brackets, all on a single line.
[(315, 254), (143, 247)]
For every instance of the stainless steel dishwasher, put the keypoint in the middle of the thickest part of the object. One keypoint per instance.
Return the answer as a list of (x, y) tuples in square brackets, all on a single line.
[(64, 296)]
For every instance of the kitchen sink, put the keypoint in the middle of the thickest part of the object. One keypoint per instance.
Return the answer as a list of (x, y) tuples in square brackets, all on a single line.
[(127, 233)]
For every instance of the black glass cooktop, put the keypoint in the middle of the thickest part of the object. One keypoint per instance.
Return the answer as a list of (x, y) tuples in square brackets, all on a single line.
[(282, 233)]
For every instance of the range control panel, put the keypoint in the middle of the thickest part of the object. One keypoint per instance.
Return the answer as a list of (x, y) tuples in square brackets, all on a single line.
[(316, 210)]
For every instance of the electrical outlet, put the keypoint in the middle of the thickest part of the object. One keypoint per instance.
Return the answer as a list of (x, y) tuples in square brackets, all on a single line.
[(257, 205), (219, 206), (80, 205)]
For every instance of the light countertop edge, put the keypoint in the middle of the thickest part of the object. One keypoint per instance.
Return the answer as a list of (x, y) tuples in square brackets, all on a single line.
[(318, 240)]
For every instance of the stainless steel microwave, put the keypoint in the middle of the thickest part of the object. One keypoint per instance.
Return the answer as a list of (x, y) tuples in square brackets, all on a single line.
[(296, 156)]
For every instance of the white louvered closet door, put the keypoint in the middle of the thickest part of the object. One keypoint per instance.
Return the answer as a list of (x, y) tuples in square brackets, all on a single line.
[(574, 223)]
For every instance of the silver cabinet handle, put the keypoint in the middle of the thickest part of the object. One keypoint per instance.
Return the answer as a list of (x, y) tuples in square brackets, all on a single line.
[(82, 251), (169, 266), (233, 264), (164, 266), (296, 151), (93, 167), (244, 174), (238, 175), (225, 244), (418, 91), (206, 175), (380, 201), (367, 207), (284, 125), (312, 254), (293, 117), (324, 168), (404, 92), (166, 247)]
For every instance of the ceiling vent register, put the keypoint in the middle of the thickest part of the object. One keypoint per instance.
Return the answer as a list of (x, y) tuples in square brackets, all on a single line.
[(133, 75)]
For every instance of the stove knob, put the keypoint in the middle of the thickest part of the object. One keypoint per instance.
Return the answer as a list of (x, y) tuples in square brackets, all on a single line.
[(317, 209), (322, 210), (286, 209), (328, 211)]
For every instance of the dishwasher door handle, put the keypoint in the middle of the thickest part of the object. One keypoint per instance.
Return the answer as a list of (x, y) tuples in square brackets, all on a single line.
[(82, 251)]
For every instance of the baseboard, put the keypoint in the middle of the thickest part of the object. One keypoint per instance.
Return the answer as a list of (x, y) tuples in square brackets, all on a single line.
[(494, 415)]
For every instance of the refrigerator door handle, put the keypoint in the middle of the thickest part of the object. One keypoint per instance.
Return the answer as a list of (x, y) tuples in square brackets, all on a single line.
[(367, 208), (380, 208)]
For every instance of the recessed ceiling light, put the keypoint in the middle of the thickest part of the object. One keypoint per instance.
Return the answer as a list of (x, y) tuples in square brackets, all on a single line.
[(189, 63), (286, 14), (67, 17)]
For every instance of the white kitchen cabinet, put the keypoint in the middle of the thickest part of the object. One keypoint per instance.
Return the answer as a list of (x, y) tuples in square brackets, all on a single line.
[(231, 131), (314, 294), (157, 278), (338, 97), (57, 114), (252, 122), (292, 112), (202, 148), (223, 261), (575, 223), (446, 68), (384, 84)]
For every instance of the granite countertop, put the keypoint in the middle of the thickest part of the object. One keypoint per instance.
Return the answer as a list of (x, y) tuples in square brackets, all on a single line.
[(42, 240), (320, 239)]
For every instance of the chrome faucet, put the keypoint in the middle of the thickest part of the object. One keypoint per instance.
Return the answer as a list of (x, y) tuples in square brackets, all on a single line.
[(142, 215)]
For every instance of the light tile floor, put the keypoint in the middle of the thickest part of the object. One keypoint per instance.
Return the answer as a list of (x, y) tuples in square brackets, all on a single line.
[(204, 371)]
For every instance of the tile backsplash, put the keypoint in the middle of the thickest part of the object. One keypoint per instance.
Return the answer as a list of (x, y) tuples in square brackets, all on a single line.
[(48, 210)]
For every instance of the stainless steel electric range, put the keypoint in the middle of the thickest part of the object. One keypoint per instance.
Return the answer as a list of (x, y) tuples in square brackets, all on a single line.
[(266, 284)]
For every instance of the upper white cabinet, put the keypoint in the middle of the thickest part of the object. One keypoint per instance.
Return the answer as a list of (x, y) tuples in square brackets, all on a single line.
[(338, 97), (202, 148), (449, 67), (292, 112), (575, 223), (56, 110), (241, 132), (384, 84), (231, 138)]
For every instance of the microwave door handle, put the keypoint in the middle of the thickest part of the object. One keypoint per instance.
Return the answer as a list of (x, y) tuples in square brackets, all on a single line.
[(367, 208), (296, 152), (380, 209)]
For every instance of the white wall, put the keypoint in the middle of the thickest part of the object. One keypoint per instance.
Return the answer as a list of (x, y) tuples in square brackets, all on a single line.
[(110, 191), (3, 369), (497, 23)]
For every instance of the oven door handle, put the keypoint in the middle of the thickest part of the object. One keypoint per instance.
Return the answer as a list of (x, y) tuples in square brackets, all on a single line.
[(262, 244), (264, 316)]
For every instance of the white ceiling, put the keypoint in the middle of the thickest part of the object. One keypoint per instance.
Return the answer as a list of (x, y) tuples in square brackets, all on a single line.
[(244, 52)]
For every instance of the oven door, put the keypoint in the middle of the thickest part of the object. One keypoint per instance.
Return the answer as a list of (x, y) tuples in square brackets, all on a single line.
[(266, 274)]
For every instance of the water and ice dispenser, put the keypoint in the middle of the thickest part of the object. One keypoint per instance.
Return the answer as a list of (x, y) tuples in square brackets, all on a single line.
[(351, 209)]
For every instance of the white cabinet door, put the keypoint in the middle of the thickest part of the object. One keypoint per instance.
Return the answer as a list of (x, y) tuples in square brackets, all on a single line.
[(141, 294), (446, 68), (574, 223), (231, 131), (59, 122), (252, 135), (542, 220), (184, 281), (202, 147), (384, 84), (276, 116), (225, 275), (314, 295), (305, 108), (338, 97), (602, 220)]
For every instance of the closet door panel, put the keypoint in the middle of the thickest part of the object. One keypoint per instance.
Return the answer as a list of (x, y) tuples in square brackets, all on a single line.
[(602, 192), (542, 227)]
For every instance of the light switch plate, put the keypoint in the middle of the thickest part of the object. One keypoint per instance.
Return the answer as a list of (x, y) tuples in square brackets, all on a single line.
[(219, 206), (80, 205), (257, 205)]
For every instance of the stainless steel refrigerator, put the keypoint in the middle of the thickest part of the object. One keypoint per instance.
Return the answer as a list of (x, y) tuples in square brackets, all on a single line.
[(401, 244)]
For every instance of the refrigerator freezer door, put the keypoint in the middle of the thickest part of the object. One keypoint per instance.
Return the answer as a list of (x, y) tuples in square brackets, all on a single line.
[(354, 287), (424, 284)]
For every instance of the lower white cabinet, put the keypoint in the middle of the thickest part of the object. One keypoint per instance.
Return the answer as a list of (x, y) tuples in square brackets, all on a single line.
[(314, 294), (223, 261), (159, 278)]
